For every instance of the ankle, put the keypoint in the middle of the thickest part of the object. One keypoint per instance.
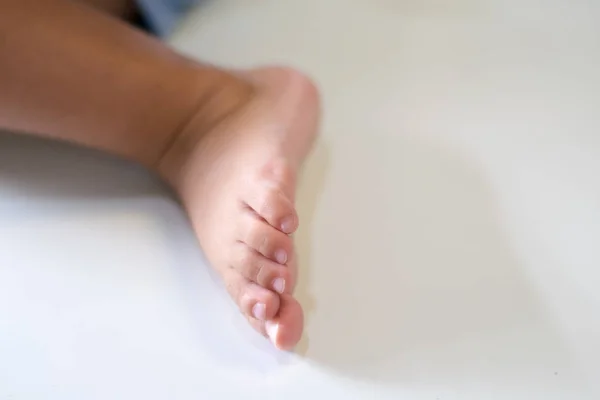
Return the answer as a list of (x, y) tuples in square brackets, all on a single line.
[(225, 95)]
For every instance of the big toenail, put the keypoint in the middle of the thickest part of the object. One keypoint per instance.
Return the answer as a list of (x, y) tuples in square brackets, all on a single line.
[(281, 256), (272, 329), (279, 285), (287, 225), (259, 311)]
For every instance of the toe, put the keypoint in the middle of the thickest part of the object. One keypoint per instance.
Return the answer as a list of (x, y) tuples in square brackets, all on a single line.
[(262, 271), (265, 239), (285, 331), (271, 204), (253, 300)]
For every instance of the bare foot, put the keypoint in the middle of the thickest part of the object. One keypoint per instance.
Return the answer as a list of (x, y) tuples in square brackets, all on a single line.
[(238, 181)]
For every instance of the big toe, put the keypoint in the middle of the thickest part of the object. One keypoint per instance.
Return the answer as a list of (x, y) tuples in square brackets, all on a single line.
[(285, 331)]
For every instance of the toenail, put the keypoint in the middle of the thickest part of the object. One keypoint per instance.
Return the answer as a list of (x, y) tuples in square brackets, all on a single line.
[(281, 256), (259, 311), (279, 285), (272, 329), (287, 225)]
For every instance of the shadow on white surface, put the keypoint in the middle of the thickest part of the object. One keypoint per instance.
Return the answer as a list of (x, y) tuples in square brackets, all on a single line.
[(406, 275), (431, 8), (49, 184), (412, 276), (36, 169), (312, 184)]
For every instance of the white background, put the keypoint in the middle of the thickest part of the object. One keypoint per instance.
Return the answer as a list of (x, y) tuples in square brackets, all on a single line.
[(451, 221)]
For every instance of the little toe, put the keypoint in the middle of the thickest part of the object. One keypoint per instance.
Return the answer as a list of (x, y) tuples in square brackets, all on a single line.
[(271, 204), (262, 271), (285, 331), (252, 299), (265, 239)]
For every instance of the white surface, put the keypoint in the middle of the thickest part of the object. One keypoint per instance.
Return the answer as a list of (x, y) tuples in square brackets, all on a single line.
[(451, 221)]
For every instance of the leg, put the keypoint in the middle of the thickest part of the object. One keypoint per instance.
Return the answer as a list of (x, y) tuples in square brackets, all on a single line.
[(123, 9), (229, 144)]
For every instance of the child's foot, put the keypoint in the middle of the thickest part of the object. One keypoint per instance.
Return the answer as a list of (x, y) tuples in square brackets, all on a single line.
[(238, 180)]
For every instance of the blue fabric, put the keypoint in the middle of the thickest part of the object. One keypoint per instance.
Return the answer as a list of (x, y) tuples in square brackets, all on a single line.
[(161, 16)]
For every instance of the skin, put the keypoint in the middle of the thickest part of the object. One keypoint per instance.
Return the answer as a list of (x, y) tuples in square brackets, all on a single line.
[(124, 9), (230, 143)]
